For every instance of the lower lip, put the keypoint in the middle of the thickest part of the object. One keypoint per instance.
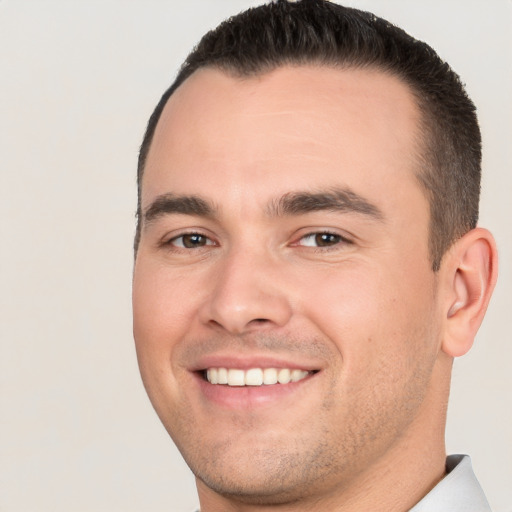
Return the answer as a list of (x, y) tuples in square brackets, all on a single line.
[(243, 397)]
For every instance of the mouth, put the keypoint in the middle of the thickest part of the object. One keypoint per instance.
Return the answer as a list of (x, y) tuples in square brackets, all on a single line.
[(254, 377), (243, 383)]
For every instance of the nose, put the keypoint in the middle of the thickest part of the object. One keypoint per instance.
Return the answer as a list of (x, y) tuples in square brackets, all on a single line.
[(246, 294)]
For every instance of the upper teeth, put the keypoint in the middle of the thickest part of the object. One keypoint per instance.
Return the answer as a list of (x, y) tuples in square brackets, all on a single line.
[(254, 376)]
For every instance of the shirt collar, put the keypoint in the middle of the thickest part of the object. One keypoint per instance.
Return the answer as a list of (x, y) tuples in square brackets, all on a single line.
[(458, 491)]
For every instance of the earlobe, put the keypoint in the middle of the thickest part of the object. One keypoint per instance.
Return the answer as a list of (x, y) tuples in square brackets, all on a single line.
[(470, 275)]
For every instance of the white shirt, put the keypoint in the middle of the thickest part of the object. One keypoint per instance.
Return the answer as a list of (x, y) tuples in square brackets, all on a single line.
[(458, 491)]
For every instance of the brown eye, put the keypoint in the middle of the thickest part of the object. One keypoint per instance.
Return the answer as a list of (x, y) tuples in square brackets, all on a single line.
[(322, 240), (327, 239), (191, 241)]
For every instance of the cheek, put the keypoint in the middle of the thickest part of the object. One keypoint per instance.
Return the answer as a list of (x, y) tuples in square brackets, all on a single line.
[(383, 329), (373, 313), (161, 318), (162, 304)]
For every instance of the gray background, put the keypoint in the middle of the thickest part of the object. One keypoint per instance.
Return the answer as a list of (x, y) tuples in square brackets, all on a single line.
[(79, 80)]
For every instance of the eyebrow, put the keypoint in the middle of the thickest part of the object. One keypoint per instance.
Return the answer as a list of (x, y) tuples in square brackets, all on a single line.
[(341, 200), (167, 204)]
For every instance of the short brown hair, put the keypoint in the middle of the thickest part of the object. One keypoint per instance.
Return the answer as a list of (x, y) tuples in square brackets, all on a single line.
[(280, 33)]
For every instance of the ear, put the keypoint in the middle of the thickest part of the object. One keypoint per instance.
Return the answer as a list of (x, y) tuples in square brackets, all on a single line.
[(470, 269)]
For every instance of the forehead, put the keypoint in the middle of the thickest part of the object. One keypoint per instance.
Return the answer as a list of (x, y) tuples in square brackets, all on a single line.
[(294, 127)]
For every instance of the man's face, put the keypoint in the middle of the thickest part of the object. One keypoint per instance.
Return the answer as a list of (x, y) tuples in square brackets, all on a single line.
[(284, 229)]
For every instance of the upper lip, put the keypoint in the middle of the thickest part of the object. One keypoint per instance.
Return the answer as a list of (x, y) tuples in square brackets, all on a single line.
[(248, 362)]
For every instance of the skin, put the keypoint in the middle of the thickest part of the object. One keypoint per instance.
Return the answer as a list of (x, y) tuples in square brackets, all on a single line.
[(363, 310)]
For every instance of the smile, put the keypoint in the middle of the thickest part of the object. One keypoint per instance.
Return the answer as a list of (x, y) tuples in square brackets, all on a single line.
[(254, 376)]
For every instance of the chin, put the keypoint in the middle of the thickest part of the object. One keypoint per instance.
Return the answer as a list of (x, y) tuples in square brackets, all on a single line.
[(255, 488), (265, 476)]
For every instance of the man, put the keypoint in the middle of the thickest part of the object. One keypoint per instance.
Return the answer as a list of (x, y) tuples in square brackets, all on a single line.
[(308, 264)]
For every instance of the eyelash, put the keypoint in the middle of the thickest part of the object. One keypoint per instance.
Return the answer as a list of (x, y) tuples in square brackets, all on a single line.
[(340, 240), (172, 242)]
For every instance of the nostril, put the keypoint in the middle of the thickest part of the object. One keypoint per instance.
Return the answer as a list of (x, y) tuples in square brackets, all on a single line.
[(260, 320)]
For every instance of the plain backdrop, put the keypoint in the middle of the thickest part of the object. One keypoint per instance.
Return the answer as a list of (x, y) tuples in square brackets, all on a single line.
[(78, 82)]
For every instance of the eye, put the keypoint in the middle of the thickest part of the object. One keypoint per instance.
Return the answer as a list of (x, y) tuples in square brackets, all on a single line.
[(190, 241), (322, 240)]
